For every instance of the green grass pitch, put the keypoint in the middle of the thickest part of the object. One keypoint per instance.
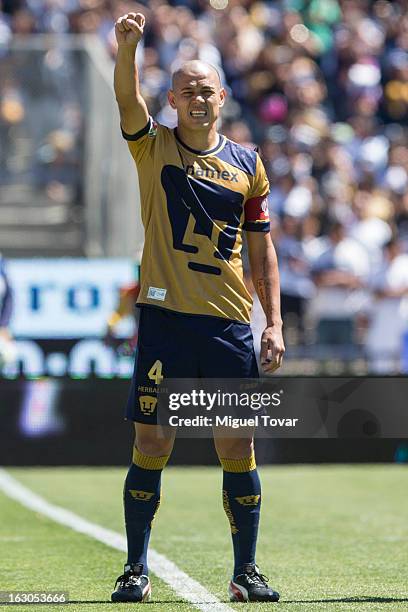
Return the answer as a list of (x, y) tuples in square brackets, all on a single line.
[(332, 539)]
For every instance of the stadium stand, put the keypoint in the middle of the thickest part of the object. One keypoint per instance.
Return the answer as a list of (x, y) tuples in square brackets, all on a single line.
[(320, 85)]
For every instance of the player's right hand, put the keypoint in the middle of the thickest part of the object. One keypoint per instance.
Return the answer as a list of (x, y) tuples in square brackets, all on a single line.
[(129, 29)]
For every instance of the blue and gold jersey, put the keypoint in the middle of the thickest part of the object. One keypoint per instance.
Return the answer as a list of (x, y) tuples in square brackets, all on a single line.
[(195, 205)]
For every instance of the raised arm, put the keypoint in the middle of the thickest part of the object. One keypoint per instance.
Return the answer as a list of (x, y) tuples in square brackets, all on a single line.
[(265, 277), (132, 108)]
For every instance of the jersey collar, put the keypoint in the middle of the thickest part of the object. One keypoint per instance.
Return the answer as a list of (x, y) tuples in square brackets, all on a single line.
[(220, 144)]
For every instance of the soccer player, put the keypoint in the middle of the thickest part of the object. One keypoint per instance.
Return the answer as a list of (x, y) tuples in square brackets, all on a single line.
[(199, 191), (126, 306)]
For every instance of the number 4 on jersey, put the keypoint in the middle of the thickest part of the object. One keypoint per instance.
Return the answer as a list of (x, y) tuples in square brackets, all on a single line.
[(155, 372)]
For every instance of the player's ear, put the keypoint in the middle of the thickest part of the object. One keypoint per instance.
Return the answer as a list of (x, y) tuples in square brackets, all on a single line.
[(170, 97), (223, 95)]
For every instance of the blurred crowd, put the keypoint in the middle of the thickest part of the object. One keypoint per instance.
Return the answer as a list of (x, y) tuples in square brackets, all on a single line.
[(322, 87)]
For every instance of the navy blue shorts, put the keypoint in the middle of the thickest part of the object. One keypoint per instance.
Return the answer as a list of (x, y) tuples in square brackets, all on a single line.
[(175, 345)]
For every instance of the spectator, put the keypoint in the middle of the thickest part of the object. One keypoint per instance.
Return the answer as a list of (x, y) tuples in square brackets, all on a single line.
[(340, 274), (296, 285), (389, 315)]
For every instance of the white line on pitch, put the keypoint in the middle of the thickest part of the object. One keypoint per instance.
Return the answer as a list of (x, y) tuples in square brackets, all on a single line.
[(187, 588)]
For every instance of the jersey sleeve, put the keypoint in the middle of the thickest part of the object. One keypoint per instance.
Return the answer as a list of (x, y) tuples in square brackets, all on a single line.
[(141, 144), (256, 207)]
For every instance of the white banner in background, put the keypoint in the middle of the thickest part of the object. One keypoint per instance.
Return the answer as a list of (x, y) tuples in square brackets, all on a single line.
[(66, 298)]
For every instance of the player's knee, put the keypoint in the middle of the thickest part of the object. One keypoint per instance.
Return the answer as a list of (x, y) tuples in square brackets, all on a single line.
[(154, 447), (154, 441), (234, 448)]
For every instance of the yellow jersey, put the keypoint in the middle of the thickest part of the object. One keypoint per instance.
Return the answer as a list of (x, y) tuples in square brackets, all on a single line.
[(195, 205)]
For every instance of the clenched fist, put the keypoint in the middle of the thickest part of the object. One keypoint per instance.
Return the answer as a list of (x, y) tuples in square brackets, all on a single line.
[(129, 29)]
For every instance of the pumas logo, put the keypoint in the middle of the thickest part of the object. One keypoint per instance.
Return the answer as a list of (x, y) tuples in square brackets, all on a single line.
[(212, 173), (141, 495), (147, 404), (248, 500)]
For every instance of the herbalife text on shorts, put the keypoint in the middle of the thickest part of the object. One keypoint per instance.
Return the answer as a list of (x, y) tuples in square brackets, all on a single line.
[(219, 399)]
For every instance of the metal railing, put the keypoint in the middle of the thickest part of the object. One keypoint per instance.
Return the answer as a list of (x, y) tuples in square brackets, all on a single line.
[(68, 185)]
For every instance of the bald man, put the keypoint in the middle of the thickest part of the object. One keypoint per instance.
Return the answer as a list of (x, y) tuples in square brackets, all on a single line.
[(199, 192)]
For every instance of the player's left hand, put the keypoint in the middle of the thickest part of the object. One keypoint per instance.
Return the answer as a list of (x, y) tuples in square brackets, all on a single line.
[(272, 349)]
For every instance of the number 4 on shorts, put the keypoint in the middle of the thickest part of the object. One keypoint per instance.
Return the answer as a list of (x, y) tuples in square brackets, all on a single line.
[(155, 372)]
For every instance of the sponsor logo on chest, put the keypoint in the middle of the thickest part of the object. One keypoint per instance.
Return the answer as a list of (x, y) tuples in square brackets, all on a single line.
[(224, 175)]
